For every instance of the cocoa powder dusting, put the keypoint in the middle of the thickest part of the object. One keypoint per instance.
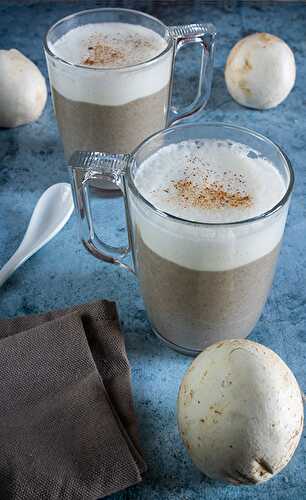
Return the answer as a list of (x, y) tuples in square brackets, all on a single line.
[(210, 195)]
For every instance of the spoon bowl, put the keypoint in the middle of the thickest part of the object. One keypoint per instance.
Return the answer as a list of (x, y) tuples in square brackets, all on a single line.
[(52, 211)]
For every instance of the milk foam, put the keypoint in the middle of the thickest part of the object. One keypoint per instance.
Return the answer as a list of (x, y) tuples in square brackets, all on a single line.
[(220, 163), (212, 163), (135, 43), (113, 46)]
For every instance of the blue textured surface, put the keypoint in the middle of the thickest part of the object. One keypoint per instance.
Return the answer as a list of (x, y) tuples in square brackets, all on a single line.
[(62, 273)]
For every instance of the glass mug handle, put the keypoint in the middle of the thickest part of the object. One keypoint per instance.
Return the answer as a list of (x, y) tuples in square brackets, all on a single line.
[(205, 35), (86, 167)]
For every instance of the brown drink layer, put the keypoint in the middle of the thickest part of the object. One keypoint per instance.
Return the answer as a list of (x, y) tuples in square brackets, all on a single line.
[(197, 308), (111, 129)]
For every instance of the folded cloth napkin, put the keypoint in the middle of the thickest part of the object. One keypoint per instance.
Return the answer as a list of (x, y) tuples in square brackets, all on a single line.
[(67, 423)]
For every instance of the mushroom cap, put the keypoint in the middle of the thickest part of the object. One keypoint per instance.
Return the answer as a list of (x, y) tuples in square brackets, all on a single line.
[(260, 71), (23, 91), (240, 412)]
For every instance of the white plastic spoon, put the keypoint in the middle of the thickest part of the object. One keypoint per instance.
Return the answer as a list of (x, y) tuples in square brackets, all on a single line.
[(50, 214)]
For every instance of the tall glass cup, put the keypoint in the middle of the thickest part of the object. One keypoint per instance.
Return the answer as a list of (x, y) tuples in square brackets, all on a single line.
[(201, 282), (115, 109)]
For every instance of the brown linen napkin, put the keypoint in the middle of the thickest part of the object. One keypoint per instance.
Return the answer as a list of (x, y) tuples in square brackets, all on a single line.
[(67, 423)]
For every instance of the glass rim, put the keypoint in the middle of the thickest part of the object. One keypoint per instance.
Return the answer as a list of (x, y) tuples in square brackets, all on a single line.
[(152, 60), (166, 215)]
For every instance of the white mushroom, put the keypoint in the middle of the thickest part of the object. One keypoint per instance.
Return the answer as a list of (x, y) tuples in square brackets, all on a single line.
[(240, 412), (260, 71), (23, 91)]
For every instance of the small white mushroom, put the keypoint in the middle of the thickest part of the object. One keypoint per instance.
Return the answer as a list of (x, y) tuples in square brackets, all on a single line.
[(240, 412), (260, 71), (23, 91)]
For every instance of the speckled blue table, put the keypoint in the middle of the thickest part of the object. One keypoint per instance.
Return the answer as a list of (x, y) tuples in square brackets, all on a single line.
[(62, 273)]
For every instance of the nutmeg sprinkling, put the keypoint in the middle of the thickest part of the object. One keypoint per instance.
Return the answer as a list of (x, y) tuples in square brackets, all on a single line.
[(103, 54), (212, 190), (114, 49), (210, 196)]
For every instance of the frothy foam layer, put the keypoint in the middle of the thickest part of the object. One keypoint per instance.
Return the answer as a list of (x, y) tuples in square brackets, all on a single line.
[(209, 181), (113, 46), (109, 45)]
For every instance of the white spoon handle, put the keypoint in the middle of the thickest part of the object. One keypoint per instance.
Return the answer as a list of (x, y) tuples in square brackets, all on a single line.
[(12, 264)]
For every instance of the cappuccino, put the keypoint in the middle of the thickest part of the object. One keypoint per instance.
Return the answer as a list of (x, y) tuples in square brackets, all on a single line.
[(209, 280), (105, 100)]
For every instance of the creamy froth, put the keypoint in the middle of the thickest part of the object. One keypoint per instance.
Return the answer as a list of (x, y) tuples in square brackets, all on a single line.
[(109, 45), (210, 181)]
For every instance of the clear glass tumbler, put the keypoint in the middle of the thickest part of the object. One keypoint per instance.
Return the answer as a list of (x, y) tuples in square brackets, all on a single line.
[(191, 299)]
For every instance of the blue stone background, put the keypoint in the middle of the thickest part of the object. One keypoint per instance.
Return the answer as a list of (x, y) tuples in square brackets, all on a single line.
[(62, 273)]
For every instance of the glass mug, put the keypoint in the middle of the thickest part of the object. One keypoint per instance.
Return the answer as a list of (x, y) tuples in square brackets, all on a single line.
[(191, 302), (115, 109)]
